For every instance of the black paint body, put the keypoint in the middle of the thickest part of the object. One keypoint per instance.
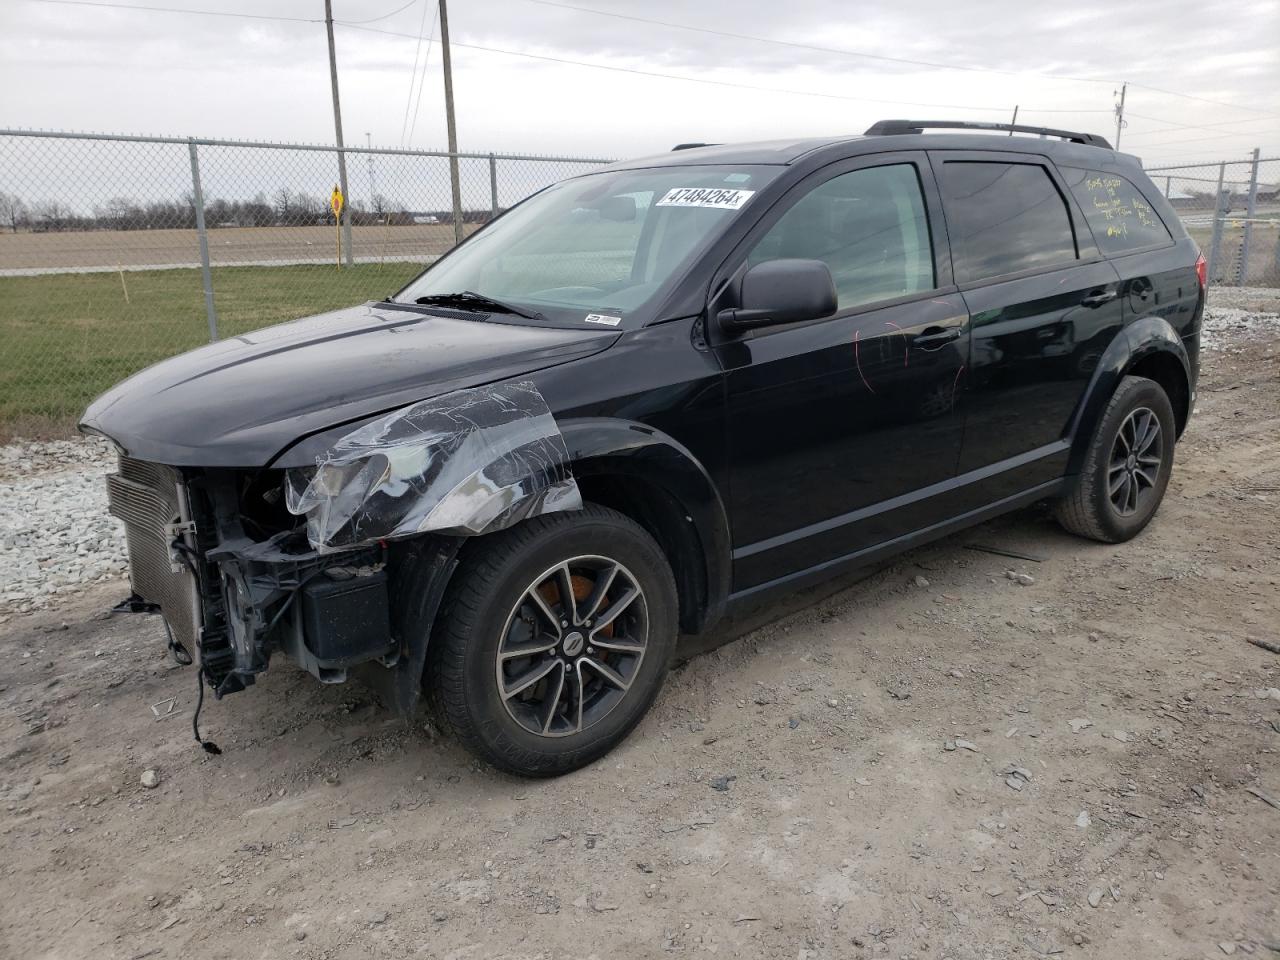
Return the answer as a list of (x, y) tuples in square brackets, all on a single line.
[(765, 458)]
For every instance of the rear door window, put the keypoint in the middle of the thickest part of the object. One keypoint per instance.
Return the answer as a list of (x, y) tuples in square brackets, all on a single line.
[(869, 226), (1118, 214), (1004, 218)]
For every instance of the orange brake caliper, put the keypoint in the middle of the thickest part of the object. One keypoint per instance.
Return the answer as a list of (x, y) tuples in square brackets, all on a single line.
[(582, 588)]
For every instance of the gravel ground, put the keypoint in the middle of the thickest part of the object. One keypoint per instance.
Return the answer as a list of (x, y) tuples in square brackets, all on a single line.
[(56, 535)]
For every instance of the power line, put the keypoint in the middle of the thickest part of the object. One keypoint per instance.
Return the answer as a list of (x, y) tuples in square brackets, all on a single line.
[(809, 46), (872, 56), (413, 72), (1220, 136), (385, 16), (718, 83), (358, 24), (1175, 125), (435, 19), (202, 13), (1187, 96)]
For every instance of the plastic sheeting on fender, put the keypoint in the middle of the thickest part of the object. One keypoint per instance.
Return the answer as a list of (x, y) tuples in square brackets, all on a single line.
[(467, 463)]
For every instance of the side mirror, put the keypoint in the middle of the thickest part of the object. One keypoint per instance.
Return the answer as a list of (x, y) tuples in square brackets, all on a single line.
[(782, 291)]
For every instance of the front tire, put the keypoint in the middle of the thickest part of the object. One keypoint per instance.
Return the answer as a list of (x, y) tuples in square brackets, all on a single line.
[(1127, 466), (553, 640)]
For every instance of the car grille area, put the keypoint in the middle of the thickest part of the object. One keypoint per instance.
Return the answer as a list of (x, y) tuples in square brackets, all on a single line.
[(146, 497)]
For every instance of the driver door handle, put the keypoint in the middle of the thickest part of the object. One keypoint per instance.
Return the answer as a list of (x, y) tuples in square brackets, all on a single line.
[(933, 337), (1099, 298)]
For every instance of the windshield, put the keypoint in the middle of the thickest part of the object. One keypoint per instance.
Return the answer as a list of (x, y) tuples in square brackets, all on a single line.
[(597, 249)]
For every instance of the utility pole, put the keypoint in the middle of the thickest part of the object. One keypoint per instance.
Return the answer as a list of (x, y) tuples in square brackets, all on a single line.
[(1014, 121), (454, 181), (1120, 113), (337, 133)]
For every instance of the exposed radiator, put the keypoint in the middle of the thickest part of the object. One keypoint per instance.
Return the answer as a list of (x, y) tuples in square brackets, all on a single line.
[(146, 497)]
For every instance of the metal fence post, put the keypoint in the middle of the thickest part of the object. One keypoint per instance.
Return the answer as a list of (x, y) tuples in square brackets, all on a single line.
[(493, 184), (1219, 210), (1250, 209), (205, 276), (1167, 182)]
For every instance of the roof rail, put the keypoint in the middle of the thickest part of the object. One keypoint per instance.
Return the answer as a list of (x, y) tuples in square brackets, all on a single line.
[(886, 128), (692, 146)]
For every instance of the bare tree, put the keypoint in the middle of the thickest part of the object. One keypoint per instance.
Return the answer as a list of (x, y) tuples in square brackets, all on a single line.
[(50, 215), (13, 211)]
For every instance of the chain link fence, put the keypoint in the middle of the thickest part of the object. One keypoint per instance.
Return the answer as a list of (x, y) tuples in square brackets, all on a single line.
[(1232, 209), (116, 252)]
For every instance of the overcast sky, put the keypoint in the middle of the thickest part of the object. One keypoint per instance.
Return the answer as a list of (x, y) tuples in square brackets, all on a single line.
[(83, 67)]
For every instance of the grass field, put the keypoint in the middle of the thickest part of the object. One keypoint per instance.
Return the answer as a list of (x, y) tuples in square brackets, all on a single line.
[(65, 338)]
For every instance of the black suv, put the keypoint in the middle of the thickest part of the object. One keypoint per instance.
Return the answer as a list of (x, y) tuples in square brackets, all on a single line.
[(648, 394)]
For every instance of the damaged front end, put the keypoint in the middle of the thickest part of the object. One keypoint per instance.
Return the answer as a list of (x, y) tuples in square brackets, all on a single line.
[(339, 565)]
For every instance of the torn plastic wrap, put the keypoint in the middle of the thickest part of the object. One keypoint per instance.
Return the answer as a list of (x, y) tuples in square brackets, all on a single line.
[(466, 463)]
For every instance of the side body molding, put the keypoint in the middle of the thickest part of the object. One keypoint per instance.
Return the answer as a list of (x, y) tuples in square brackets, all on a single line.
[(604, 451), (1139, 340)]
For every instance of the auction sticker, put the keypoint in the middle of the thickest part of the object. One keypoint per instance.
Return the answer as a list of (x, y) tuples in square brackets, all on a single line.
[(602, 318), (717, 197)]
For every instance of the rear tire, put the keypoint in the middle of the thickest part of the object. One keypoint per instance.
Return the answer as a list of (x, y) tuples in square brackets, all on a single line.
[(1126, 468), (533, 686)]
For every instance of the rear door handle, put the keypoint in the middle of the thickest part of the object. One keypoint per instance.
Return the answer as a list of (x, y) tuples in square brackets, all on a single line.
[(933, 337), (1099, 298)]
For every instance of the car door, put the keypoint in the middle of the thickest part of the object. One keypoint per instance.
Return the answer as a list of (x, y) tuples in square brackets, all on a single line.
[(840, 427), (1043, 306), (1157, 277)]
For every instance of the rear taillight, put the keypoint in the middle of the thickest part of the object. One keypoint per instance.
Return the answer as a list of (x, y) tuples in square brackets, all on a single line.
[(1202, 271)]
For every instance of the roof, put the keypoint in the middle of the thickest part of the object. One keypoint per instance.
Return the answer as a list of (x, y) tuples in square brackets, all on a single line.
[(785, 152)]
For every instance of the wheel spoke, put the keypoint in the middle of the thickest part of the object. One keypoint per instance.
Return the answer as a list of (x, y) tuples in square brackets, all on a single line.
[(1131, 498), (603, 582), (579, 687), (512, 651), (1150, 431), (568, 605), (614, 610), (1148, 478), (1123, 437), (611, 676), (619, 646), (1118, 484), (541, 606), (553, 701), (528, 679)]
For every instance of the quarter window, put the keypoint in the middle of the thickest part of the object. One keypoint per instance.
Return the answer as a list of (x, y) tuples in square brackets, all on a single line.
[(1118, 214), (869, 226), (1004, 218)]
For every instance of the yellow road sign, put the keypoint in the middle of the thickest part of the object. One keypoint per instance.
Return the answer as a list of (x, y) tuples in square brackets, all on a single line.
[(335, 201)]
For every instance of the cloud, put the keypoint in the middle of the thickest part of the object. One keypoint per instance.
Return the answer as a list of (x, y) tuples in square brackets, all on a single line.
[(118, 70)]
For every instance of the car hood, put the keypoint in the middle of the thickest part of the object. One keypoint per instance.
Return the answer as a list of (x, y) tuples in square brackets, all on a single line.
[(241, 401)]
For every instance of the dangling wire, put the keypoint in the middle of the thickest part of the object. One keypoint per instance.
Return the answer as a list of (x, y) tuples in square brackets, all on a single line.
[(179, 653), (208, 745)]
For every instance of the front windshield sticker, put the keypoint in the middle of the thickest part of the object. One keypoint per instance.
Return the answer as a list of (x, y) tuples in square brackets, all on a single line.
[(717, 197), (602, 319)]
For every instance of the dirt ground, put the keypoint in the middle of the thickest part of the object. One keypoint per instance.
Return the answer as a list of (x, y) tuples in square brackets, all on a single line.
[(109, 249), (861, 735)]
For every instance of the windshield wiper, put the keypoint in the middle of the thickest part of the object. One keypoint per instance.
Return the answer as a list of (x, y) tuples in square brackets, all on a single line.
[(470, 300)]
